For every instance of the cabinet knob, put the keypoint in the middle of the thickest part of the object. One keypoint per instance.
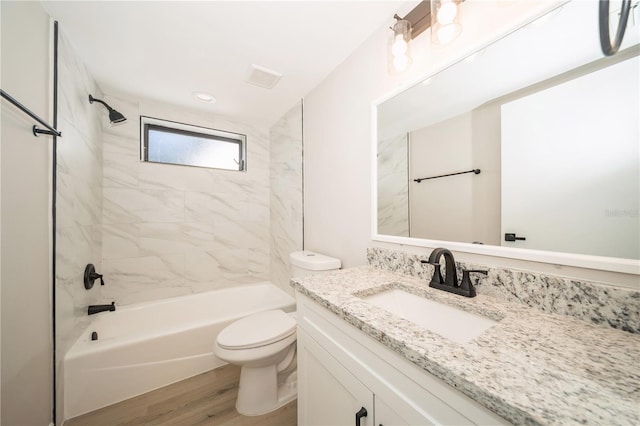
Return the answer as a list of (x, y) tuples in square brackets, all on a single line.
[(360, 414)]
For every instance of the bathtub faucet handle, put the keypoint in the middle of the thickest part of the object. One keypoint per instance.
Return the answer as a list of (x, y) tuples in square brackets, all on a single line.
[(90, 275), (94, 276)]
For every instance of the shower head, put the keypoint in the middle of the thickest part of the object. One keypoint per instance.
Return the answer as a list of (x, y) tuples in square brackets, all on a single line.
[(114, 116)]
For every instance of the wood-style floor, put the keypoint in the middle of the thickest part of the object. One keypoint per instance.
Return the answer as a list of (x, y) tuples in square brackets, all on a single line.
[(206, 399)]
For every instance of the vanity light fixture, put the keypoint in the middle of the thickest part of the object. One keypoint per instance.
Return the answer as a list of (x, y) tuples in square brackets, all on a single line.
[(446, 23), (443, 14), (400, 51), (403, 31)]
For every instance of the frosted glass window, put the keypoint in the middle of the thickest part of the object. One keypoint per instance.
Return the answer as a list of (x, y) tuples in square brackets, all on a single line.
[(176, 143)]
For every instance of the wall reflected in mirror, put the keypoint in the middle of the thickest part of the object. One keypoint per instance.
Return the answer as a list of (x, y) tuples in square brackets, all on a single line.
[(553, 127)]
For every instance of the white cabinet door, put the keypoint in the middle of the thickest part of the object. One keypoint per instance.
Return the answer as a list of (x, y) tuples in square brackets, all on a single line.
[(386, 416), (327, 393)]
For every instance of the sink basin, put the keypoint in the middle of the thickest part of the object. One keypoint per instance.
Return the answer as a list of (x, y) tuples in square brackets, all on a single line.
[(452, 323)]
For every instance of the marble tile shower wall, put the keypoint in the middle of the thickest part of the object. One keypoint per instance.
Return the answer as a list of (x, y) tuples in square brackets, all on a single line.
[(588, 301), (286, 194), (78, 200), (78, 193), (393, 188), (173, 230)]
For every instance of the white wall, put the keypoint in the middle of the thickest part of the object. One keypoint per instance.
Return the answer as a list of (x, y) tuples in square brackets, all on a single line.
[(26, 213), (337, 135), (464, 208), (549, 191), (442, 208), (485, 122)]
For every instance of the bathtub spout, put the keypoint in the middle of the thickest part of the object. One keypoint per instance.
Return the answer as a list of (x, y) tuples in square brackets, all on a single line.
[(94, 309)]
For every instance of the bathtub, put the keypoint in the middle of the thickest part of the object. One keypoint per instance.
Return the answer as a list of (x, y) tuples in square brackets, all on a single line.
[(144, 346)]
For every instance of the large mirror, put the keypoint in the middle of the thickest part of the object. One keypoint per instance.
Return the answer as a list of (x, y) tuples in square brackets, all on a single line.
[(530, 148)]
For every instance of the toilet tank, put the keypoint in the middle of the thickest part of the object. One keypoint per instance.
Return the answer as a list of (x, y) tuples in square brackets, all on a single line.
[(308, 263)]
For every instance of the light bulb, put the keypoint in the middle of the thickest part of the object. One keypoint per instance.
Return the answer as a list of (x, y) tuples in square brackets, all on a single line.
[(447, 12), (400, 46), (399, 49), (447, 33), (401, 62)]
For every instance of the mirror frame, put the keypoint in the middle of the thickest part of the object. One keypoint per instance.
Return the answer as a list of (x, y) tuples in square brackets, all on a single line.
[(621, 265)]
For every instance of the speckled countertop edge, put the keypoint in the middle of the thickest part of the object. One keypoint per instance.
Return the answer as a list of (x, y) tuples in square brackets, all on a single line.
[(530, 368)]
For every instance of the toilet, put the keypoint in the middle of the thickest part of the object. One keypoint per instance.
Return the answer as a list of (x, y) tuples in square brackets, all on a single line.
[(264, 346)]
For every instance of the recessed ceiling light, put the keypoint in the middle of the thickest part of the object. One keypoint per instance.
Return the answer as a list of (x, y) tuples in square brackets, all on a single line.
[(204, 97)]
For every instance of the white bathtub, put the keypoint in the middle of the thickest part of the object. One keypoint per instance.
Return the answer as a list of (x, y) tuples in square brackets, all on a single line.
[(145, 346)]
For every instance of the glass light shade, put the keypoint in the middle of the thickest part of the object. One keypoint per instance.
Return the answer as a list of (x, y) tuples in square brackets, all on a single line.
[(401, 63), (399, 47), (446, 22), (447, 13), (448, 33)]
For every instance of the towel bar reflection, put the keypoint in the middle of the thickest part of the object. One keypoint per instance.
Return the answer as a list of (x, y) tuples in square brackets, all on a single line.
[(36, 131), (474, 171)]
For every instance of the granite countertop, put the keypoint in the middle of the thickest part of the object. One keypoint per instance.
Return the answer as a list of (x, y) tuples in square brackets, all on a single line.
[(530, 368)]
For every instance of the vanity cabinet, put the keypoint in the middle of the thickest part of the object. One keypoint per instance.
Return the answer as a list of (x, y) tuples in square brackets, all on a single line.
[(341, 370), (332, 395)]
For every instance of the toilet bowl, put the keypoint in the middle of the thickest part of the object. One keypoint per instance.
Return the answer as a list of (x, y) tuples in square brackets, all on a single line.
[(264, 346)]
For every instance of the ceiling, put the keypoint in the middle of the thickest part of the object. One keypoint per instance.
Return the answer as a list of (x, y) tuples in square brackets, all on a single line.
[(165, 50)]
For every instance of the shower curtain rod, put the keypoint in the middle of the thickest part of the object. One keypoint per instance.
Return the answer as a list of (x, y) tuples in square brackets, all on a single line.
[(36, 131), (475, 171)]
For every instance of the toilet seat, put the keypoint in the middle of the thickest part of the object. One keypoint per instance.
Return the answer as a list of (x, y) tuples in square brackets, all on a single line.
[(260, 329)]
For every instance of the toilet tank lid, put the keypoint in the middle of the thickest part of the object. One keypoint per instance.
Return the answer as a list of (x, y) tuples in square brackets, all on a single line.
[(313, 261)]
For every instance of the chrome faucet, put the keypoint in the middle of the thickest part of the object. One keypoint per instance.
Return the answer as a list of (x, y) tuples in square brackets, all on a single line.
[(450, 281)]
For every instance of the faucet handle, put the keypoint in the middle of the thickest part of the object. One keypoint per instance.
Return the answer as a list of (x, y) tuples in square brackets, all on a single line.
[(467, 285)]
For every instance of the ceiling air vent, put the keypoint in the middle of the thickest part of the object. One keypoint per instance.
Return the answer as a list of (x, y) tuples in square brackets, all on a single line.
[(263, 77)]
